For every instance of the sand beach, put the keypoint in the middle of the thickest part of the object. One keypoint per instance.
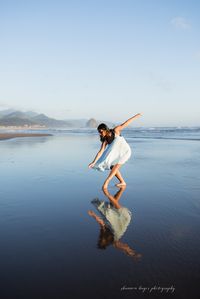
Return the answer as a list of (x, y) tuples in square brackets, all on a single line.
[(15, 135), (50, 244)]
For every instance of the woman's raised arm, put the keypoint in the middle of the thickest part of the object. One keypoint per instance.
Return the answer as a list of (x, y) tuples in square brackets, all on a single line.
[(126, 123)]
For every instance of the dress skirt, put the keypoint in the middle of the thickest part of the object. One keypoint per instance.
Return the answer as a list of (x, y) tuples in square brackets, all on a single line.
[(118, 152), (116, 219)]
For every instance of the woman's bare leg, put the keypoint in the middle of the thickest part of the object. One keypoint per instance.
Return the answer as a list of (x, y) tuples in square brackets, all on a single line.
[(120, 178), (119, 193), (113, 172)]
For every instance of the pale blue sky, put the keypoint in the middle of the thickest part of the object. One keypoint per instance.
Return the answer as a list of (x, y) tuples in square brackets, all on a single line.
[(102, 59)]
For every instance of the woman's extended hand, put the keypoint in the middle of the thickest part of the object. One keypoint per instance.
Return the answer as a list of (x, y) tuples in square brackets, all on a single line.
[(91, 165)]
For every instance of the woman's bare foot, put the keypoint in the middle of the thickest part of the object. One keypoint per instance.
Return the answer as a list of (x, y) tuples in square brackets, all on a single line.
[(121, 184)]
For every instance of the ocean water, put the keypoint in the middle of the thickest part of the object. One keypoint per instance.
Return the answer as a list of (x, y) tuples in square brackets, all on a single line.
[(179, 133), (49, 242)]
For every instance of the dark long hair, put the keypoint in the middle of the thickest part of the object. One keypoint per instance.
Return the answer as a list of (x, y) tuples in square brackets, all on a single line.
[(103, 127), (106, 238)]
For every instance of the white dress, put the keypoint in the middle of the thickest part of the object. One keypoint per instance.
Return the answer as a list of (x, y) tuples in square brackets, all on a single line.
[(117, 152), (117, 220)]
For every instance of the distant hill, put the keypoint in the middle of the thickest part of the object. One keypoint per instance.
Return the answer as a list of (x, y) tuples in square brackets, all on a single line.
[(44, 120), (6, 112), (11, 117), (29, 118), (11, 113), (15, 118), (31, 113), (16, 114), (92, 123)]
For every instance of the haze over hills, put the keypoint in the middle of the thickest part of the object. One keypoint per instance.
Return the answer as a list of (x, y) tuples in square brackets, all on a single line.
[(11, 117)]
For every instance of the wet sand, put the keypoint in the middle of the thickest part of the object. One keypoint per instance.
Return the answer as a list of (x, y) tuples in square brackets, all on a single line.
[(50, 245), (15, 135)]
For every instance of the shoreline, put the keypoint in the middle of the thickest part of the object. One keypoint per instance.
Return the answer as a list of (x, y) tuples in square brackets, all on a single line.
[(5, 136)]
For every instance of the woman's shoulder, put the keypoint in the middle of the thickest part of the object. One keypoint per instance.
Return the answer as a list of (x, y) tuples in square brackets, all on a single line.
[(116, 132)]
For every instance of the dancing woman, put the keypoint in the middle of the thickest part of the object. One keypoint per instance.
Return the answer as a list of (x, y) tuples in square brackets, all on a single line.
[(114, 151)]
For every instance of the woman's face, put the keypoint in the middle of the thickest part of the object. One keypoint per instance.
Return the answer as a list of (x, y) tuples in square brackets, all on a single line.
[(102, 133)]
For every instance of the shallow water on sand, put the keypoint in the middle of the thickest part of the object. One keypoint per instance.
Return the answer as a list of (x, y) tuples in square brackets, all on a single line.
[(49, 242)]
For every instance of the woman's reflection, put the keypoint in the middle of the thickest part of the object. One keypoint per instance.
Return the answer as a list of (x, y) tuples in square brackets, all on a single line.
[(113, 223)]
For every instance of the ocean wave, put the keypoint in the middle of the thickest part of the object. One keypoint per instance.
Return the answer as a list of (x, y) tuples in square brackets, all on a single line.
[(175, 133), (167, 138)]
